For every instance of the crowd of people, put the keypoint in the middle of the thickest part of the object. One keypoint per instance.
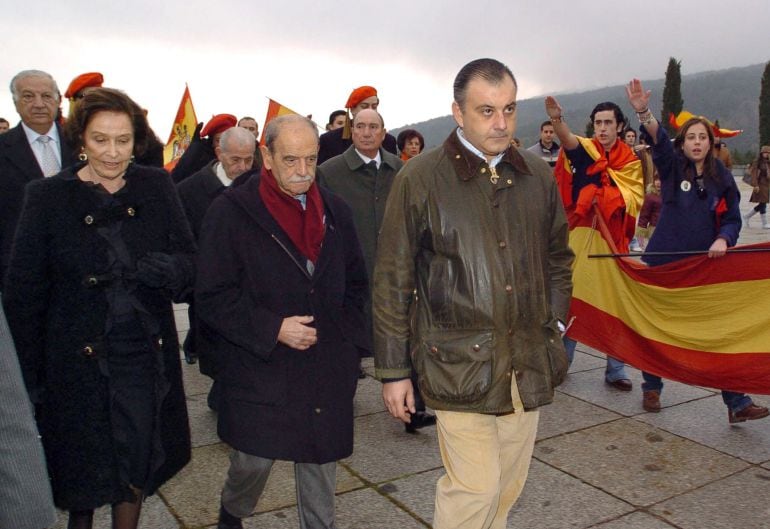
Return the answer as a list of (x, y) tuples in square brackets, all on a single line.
[(297, 258)]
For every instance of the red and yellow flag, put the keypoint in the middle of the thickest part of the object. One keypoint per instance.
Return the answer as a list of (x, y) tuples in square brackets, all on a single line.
[(274, 109), (680, 119), (697, 320), (181, 131)]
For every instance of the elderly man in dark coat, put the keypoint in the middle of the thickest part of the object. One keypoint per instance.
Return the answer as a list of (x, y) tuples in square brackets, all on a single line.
[(34, 149), (282, 282), (363, 176)]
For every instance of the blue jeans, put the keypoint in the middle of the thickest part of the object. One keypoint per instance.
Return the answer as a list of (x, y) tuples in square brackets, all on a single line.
[(735, 401), (615, 368)]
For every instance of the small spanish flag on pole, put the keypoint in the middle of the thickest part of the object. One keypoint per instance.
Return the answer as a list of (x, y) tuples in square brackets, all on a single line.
[(181, 131), (274, 109)]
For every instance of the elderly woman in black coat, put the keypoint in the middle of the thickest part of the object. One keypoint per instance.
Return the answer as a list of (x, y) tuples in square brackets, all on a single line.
[(101, 250)]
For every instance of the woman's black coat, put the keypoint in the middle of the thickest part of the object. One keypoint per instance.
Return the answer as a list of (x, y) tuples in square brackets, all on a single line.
[(279, 402), (56, 309)]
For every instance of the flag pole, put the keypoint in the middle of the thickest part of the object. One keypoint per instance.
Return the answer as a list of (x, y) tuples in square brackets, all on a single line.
[(669, 254)]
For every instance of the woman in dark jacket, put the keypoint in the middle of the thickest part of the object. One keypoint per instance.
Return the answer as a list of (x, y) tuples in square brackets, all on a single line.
[(700, 212), (100, 251)]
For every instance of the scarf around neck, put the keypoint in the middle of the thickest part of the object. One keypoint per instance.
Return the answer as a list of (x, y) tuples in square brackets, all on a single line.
[(305, 227)]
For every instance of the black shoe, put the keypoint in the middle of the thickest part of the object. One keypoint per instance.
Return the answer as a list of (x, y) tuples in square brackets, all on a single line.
[(419, 420), (361, 373), (227, 520), (190, 358)]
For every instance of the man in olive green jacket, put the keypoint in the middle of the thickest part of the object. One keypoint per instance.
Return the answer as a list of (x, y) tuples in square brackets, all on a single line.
[(477, 228)]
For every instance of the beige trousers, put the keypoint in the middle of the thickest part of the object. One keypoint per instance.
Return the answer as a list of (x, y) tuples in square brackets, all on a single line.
[(486, 458)]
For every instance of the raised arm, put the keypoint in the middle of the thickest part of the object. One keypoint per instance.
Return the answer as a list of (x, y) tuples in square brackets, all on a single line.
[(639, 99), (568, 140)]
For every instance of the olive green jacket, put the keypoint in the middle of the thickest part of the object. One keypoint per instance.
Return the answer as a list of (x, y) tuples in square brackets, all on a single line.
[(491, 268)]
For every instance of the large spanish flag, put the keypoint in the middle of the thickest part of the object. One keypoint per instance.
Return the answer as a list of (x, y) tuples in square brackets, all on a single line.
[(181, 131), (274, 109), (700, 321)]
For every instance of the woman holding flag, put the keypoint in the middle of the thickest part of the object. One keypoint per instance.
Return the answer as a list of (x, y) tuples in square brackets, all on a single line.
[(700, 212)]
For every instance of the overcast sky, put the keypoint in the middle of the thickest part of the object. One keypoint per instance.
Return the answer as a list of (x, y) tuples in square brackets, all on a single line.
[(309, 55)]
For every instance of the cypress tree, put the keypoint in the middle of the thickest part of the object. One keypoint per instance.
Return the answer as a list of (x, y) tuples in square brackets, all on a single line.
[(672, 93), (764, 108)]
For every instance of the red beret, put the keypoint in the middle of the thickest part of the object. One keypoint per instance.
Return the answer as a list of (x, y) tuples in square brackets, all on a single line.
[(219, 123), (84, 80), (359, 94)]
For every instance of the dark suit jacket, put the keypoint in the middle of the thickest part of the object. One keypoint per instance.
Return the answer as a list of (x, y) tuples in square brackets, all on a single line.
[(18, 166), (332, 144), (196, 193)]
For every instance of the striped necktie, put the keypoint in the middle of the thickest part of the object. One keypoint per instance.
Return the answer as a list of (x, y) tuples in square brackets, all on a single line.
[(48, 161)]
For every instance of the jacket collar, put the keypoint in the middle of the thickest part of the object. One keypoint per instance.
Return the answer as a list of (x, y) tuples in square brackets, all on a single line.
[(354, 161), (244, 193), (467, 165)]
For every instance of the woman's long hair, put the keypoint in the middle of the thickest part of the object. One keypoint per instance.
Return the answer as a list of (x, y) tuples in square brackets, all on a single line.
[(709, 165)]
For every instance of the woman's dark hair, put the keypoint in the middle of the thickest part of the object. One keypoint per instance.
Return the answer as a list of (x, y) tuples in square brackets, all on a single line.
[(336, 113), (406, 135), (609, 105), (108, 100), (709, 165)]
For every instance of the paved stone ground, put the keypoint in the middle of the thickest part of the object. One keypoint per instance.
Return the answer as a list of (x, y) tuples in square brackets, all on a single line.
[(600, 462)]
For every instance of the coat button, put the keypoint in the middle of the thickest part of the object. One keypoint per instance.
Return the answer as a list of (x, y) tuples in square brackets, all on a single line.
[(434, 349), (160, 341), (510, 332), (88, 220), (92, 281), (483, 170), (131, 212), (508, 288), (318, 410), (518, 375), (457, 156), (509, 181), (88, 350), (502, 244), (477, 348)]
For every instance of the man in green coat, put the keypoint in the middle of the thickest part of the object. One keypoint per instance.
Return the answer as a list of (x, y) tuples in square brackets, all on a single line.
[(477, 228)]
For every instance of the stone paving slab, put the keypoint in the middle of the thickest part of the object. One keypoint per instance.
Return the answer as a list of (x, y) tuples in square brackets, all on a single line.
[(203, 421), (368, 399), (635, 520), (383, 451), (577, 505), (739, 501), (568, 414), (636, 462), (355, 510), (705, 421), (193, 494), (538, 507), (584, 361), (590, 386), (155, 515), (194, 382)]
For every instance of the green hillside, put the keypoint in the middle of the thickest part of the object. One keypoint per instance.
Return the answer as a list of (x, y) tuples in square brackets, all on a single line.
[(731, 96)]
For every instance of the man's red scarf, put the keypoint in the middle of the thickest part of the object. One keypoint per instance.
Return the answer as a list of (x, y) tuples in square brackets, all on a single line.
[(618, 204), (305, 227)]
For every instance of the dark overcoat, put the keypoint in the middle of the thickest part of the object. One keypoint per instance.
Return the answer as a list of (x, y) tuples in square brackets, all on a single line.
[(18, 166), (57, 308), (279, 402)]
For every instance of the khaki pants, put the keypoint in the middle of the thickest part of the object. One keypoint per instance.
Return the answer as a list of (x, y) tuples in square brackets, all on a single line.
[(486, 458)]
